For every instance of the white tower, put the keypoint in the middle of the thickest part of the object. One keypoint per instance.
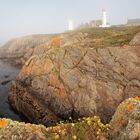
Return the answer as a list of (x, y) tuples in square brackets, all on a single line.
[(70, 25), (104, 23), (104, 19)]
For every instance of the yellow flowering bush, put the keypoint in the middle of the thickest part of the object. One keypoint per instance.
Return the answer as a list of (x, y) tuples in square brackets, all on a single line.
[(82, 129)]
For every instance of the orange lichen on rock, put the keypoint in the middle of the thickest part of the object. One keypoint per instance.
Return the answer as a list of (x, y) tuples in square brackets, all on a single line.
[(25, 71), (127, 125), (120, 113), (3, 123), (55, 42), (137, 98), (32, 128), (130, 106), (119, 122), (62, 93)]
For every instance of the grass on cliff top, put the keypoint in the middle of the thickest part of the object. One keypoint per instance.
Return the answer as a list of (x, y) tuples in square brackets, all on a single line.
[(109, 37)]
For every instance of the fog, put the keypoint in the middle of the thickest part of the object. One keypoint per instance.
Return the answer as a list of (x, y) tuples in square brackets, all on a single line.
[(25, 17)]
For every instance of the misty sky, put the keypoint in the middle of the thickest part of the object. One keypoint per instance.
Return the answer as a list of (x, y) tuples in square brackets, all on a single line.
[(24, 17)]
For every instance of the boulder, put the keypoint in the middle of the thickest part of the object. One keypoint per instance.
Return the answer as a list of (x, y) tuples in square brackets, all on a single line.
[(126, 120), (76, 80)]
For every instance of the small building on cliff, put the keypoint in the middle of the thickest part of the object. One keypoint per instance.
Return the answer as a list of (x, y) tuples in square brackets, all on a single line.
[(133, 22), (93, 23)]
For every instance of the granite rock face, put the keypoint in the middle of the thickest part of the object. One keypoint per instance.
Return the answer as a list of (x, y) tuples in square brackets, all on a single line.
[(126, 120), (76, 80)]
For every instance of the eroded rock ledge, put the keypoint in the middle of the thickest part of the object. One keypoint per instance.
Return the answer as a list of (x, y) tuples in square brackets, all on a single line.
[(86, 128), (76, 80)]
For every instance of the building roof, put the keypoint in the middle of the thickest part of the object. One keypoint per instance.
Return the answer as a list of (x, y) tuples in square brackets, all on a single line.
[(96, 21), (133, 21)]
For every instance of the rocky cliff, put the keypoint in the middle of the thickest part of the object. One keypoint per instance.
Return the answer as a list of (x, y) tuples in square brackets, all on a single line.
[(19, 50), (76, 79)]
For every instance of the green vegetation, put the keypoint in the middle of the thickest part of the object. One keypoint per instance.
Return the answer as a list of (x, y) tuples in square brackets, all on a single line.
[(83, 129), (113, 36)]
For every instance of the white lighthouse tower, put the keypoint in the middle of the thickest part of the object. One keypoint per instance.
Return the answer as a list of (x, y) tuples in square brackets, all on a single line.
[(70, 25), (104, 19)]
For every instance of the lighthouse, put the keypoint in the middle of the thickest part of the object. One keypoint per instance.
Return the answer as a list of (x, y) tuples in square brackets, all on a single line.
[(104, 23), (70, 25), (104, 19)]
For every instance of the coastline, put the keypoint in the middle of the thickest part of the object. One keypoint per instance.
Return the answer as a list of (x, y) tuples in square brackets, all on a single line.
[(7, 74)]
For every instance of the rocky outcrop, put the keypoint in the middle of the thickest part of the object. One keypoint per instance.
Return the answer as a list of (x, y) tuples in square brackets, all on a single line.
[(86, 128), (18, 51), (76, 80), (12, 130), (126, 121)]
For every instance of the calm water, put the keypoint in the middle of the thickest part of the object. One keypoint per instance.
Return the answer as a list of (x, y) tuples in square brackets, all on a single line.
[(7, 73)]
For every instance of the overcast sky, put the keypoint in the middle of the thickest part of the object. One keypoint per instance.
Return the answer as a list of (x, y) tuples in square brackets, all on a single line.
[(24, 17)]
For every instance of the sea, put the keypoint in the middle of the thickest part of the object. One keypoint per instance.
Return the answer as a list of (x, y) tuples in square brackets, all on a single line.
[(7, 74)]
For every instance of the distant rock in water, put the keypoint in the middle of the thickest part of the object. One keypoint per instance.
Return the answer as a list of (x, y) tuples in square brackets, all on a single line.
[(6, 76), (76, 80), (5, 82)]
